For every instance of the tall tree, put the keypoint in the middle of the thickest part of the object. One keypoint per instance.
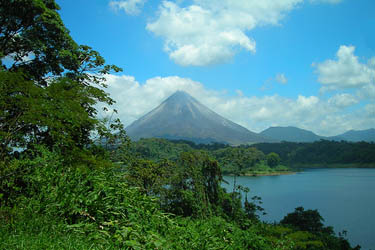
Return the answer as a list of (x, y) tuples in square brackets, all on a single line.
[(273, 159), (195, 187), (49, 85)]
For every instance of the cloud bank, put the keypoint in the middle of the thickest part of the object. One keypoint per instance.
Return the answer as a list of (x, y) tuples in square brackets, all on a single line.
[(323, 116)]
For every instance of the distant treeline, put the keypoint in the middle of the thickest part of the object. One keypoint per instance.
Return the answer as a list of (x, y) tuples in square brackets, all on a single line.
[(201, 146), (232, 160), (323, 153)]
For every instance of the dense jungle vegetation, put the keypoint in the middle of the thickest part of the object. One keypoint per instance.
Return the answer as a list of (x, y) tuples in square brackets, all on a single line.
[(323, 153), (60, 188), (265, 157), (240, 160)]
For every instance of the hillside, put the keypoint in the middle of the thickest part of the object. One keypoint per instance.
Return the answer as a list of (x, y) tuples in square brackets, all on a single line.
[(294, 134), (367, 135), (291, 134)]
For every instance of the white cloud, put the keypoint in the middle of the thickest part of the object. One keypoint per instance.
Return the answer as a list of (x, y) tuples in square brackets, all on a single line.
[(239, 93), (367, 92), (210, 32), (131, 7), (269, 83), (343, 100), (280, 78), (346, 71), (307, 102), (255, 113), (370, 109)]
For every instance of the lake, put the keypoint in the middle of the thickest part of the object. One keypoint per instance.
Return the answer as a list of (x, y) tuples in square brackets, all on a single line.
[(345, 198)]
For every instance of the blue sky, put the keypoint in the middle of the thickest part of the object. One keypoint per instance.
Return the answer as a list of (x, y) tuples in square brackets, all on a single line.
[(304, 63)]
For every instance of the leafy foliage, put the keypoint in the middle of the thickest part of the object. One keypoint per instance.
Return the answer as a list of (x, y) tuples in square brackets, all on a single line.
[(35, 40), (156, 149), (149, 176), (311, 221), (195, 186), (232, 160), (323, 153), (273, 159), (238, 159), (49, 85)]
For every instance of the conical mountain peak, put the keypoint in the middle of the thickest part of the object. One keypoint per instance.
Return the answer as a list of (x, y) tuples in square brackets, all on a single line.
[(180, 94), (180, 97), (181, 116)]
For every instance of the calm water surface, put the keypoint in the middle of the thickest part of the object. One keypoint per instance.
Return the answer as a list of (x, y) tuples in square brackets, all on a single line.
[(344, 197)]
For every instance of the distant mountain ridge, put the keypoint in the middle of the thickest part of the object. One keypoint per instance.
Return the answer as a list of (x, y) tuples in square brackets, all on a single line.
[(294, 134), (367, 135), (291, 134), (181, 116)]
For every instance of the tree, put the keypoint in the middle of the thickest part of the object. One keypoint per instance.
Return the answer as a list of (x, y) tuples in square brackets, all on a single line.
[(35, 40), (49, 85), (251, 207), (149, 176), (195, 186), (312, 222), (273, 159), (306, 220)]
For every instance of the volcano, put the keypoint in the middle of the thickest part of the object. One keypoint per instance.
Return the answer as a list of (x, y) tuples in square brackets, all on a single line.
[(181, 116)]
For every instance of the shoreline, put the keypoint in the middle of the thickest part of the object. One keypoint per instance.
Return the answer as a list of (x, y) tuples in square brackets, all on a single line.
[(332, 165), (266, 174), (269, 174)]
